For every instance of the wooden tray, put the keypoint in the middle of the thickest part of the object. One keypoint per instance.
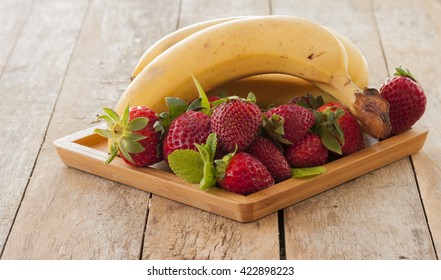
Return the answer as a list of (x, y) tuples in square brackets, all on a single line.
[(87, 151)]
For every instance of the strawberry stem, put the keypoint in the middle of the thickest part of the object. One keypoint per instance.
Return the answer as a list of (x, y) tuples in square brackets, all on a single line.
[(399, 71)]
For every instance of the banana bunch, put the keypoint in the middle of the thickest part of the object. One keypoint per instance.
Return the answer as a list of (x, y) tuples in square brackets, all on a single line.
[(276, 57)]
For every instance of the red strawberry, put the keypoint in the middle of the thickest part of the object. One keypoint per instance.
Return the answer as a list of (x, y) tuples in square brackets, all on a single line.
[(245, 175), (406, 98), (307, 152), (189, 128), (297, 121), (213, 98), (132, 136), (236, 122), (272, 157), (353, 136)]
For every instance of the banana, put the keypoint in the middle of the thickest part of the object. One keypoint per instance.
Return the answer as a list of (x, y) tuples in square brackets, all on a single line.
[(250, 46), (166, 42), (270, 89), (357, 65)]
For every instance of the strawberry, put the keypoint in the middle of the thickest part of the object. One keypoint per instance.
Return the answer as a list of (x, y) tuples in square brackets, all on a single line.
[(244, 174), (132, 136), (288, 122), (406, 98), (236, 123), (189, 128), (240, 172), (213, 98), (307, 152), (272, 157), (352, 140)]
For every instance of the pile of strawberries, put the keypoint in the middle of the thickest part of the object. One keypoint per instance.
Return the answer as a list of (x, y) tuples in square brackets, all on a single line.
[(233, 144)]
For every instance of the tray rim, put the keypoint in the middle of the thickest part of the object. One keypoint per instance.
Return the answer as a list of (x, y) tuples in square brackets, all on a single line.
[(78, 146)]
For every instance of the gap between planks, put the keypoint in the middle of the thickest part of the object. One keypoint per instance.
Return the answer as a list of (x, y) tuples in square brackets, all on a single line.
[(52, 112), (377, 28), (424, 207)]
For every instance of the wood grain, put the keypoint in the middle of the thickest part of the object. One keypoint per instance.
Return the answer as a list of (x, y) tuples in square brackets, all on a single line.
[(13, 14), (344, 232), (411, 36), (29, 88), (68, 214), (62, 70), (194, 234)]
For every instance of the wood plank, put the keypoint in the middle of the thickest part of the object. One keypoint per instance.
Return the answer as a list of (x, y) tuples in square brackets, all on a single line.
[(411, 36), (13, 14), (193, 11), (68, 214), (354, 221), (29, 87), (176, 231)]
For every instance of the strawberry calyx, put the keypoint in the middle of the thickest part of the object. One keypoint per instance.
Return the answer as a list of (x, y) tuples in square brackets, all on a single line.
[(308, 101), (251, 98), (400, 72), (121, 132), (328, 128), (274, 128), (177, 106)]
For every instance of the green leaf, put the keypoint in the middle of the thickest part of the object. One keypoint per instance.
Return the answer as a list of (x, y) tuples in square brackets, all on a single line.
[(104, 133), (209, 177), (126, 116), (132, 147), (211, 143), (137, 124), (399, 71), (303, 103), (222, 164), (109, 121), (223, 94), (207, 152), (251, 97), (329, 140), (113, 154), (205, 104), (307, 171), (195, 105), (135, 137), (112, 114), (176, 107), (159, 125), (274, 128), (203, 151), (124, 153), (187, 165)]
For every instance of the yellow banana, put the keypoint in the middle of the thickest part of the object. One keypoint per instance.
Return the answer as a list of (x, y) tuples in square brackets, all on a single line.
[(357, 65), (270, 89), (250, 46), (166, 42)]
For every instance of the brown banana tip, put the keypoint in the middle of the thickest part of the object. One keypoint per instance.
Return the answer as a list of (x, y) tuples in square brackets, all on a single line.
[(373, 112)]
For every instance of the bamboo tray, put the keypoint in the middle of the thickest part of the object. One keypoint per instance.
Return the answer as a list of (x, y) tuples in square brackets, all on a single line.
[(87, 151)]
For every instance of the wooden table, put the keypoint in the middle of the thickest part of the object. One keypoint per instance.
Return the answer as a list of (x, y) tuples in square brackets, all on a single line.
[(61, 61)]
